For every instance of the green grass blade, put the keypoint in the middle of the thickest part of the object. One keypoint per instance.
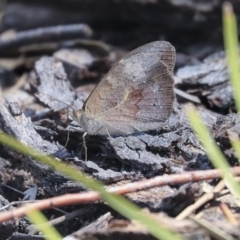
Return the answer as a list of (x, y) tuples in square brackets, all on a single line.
[(49, 232), (212, 150), (231, 46), (236, 145)]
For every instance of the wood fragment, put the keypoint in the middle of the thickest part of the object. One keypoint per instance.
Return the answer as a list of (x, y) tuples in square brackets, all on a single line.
[(227, 212), (45, 34), (88, 197)]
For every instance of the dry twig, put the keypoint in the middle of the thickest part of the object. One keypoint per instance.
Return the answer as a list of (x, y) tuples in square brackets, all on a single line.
[(90, 197), (45, 34), (229, 215)]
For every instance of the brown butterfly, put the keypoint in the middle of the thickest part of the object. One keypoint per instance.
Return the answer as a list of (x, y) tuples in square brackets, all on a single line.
[(136, 95)]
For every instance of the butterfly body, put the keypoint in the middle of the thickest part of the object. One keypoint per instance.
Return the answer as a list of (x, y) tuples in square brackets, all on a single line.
[(136, 95)]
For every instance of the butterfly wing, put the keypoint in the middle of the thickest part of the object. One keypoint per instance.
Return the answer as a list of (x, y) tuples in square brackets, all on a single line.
[(137, 93)]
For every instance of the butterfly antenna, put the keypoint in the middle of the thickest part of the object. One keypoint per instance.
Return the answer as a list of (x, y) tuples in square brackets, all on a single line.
[(55, 99)]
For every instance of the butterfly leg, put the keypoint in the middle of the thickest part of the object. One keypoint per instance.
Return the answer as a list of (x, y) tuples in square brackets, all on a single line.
[(105, 129), (84, 144), (68, 134), (84, 141)]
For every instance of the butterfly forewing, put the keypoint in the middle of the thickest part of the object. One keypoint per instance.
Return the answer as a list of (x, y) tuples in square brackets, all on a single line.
[(136, 94)]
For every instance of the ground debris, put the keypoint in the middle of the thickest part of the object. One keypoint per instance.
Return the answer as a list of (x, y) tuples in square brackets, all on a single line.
[(43, 79), (209, 81)]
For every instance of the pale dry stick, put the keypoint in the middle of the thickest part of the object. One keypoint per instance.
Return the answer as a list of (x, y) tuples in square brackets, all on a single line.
[(229, 215), (198, 215), (60, 220), (187, 96), (225, 192), (45, 34), (90, 197), (201, 201), (215, 232)]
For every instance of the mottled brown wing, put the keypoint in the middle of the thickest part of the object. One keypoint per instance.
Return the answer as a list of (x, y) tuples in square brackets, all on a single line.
[(137, 93)]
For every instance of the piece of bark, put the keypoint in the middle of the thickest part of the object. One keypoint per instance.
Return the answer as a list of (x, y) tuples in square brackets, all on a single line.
[(53, 81), (100, 224), (222, 130), (22, 129), (133, 151), (182, 198), (42, 35), (209, 81), (153, 199), (23, 236), (108, 176), (76, 63)]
